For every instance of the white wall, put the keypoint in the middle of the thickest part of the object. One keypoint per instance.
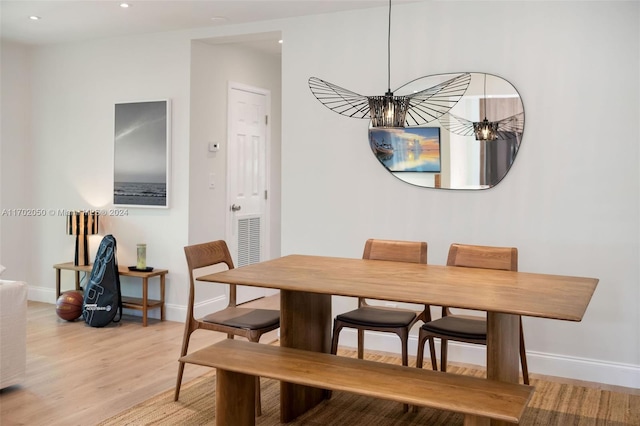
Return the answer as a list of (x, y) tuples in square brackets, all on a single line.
[(213, 66), (74, 90), (570, 203), (15, 178)]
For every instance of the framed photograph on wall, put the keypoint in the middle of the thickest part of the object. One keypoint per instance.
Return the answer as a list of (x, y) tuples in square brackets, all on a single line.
[(142, 148)]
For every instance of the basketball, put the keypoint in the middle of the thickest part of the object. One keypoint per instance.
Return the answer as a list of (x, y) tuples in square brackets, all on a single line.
[(69, 305)]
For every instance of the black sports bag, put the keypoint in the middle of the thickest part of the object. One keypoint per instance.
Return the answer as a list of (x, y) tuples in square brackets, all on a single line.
[(102, 297)]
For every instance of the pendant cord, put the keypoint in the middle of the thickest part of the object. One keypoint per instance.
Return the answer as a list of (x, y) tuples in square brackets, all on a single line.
[(389, 51), (484, 99)]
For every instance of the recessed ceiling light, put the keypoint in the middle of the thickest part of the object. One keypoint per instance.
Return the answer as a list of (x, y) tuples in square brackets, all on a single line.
[(218, 19), (280, 41), (124, 5), (34, 18)]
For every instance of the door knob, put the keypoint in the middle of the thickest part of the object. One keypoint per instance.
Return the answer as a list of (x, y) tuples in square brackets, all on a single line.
[(235, 208)]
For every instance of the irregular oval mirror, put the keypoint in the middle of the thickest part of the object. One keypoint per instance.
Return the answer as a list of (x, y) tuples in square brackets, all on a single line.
[(472, 146)]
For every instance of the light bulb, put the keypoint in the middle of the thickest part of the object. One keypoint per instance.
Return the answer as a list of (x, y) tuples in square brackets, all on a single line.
[(390, 112)]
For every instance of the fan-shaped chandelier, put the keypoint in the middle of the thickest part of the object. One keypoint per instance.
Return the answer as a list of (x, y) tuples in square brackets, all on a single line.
[(390, 110)]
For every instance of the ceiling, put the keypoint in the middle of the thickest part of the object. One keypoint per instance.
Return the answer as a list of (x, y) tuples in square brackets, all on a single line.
[(64, 21)]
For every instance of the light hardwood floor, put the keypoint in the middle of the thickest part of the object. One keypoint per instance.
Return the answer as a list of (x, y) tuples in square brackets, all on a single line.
[(79, 375)]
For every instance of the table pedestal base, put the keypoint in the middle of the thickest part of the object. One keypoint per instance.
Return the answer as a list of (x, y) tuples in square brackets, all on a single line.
[(503, 345), (305, 320)]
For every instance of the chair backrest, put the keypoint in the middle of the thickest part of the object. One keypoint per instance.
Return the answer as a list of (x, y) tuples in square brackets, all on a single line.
[(208, 254), (396, 251), (487, 257)]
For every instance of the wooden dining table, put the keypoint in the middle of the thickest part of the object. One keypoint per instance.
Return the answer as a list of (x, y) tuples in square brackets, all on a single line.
[(307, 283)]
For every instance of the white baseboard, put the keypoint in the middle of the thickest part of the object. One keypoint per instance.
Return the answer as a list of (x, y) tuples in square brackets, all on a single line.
[(175, 313), (179, 312), (618, 374), (42, 294)]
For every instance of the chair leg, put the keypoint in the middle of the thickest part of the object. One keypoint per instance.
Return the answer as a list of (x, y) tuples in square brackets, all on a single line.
[(404, 339), (258, 399), (176, 395), (432, 351), (360, 344), (334, 339), (422, 337), (422, 340), (443, 355), (337, 327), (185, 348), (523, 357)]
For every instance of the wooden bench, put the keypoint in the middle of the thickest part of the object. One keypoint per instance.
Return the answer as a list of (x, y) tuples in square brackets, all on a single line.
[(239, 362)]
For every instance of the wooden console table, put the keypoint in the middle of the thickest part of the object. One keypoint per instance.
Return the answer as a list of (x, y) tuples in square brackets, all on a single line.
[(143, 304)]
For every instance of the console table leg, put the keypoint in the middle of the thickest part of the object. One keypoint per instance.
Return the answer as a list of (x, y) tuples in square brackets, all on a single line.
[(145, 290), (58, 271), (162, 297)]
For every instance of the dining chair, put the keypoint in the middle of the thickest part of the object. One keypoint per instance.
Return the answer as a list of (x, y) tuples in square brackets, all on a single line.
[(233, 320), (381, 318), (467, 328)]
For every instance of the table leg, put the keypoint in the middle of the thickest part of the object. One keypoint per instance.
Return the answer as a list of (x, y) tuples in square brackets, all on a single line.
[(58, 271), (162, 297), (77, 280), (145, 291), (503, 344), (305, 323)]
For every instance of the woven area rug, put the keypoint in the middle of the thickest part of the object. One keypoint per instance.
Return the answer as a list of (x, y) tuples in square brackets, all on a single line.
[(552, 404)]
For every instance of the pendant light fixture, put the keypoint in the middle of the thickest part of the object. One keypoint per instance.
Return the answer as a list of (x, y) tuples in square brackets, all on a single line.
[(389, 110), (485, 130)]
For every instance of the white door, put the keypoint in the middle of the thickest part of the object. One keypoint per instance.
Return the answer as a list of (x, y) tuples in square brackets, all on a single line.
[(247, 172)]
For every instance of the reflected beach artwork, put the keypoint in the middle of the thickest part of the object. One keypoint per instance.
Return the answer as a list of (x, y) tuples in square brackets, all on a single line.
[(410, 149), (141, 155)]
